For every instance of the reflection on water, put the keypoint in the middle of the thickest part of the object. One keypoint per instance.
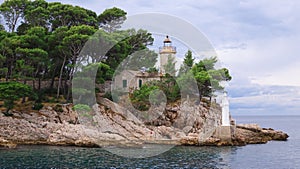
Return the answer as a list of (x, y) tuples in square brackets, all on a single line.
[(147, 150), (78, 157)]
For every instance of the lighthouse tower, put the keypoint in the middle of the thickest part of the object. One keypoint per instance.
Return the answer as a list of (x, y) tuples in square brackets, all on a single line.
[(165, 52), (225, 110), (224, 131)]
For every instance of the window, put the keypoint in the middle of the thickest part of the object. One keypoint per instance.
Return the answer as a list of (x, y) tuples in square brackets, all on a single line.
[(140, 82), (124, 83)]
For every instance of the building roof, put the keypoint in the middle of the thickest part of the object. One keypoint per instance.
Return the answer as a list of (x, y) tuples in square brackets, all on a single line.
[(167, 40)]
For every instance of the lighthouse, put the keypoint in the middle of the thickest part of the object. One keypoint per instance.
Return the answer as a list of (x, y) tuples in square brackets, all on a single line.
[(225, 130), (225, 110), (165, 52)]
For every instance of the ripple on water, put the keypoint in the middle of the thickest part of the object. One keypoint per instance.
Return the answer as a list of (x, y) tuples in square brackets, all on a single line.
[(77, 157)]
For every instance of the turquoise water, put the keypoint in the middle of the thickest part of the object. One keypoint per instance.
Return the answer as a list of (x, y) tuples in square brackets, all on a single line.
[(275, 154)]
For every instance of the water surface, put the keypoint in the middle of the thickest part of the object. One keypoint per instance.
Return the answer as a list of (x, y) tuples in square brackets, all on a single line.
[(275, 154)]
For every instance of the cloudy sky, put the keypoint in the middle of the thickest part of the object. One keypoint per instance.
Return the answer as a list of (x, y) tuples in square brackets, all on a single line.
[(257, 40)]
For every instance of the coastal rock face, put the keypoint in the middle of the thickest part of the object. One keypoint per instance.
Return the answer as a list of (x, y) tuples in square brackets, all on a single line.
[(61, 125), (253, 134), (199, 121), (111, 118), (20, 130), (243, 134), (110, 124)]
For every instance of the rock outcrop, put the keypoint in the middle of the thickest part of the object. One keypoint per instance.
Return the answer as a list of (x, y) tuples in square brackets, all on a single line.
[(110, 124), (253, 134)]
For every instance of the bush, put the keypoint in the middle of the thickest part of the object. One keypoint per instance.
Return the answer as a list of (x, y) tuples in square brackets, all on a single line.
[(140, 98), (82, 108), (37, 106), (168, 86), (108, 96), (58, 108), (12, 91), (97, 90)]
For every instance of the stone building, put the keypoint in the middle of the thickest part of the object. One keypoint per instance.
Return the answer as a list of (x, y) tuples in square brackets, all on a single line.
[(129, 80)]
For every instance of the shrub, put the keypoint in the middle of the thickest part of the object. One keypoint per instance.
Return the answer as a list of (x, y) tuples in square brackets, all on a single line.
[(140, 98), (12, 91), (37, 106), (58, 108), (108, 96), (82, 108)]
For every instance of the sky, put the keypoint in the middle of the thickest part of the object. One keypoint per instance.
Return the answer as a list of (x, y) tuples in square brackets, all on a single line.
[(257, 40)]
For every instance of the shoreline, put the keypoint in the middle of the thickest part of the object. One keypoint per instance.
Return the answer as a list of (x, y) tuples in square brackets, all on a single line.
[(112, 125), (247, 135)]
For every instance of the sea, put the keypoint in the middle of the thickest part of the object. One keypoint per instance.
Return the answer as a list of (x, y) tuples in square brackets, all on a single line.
[(273, 155)]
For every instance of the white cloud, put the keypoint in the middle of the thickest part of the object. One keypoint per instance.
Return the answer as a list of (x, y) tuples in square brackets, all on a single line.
[(266, 100), (288, 76), (266, 61)]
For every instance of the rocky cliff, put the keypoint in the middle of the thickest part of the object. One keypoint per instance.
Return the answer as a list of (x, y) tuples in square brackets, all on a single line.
[(110, 124)]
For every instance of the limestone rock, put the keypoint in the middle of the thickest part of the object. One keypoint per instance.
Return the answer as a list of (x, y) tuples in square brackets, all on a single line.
[(253, 134), (112, 124), (189, 140)]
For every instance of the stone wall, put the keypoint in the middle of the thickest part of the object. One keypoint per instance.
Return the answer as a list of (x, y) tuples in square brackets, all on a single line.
[(35, 83), (106, 87)]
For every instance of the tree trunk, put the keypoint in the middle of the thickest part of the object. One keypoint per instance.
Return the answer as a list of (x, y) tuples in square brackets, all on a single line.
[(200, 95), (60, 76), (23, 98), (33, 83), (70, 81), (39, 85), (52, 81)]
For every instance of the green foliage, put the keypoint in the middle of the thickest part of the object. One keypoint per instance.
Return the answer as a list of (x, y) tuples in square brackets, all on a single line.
[(188, 63), (200, 80), (68, 15), (12, 91), (82, 108), (142, 58), (140, 98), (208, 78), (108, 95), (152, 70), (83, 91), (58, 108), (13, 12), (50, 37), (189, 60), (104, 72), (131, 44), (37, 13), (188, 85), (111, 19), (168, 86), (37, 106)]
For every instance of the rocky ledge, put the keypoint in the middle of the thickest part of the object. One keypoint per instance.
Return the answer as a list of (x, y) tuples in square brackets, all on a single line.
[(110, 124), (253, 134), (248, 134)]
